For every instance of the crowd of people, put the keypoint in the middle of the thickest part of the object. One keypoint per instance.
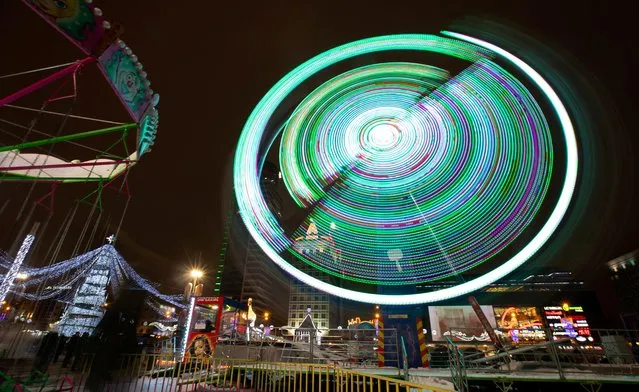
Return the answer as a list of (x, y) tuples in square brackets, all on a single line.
[(53, 346)]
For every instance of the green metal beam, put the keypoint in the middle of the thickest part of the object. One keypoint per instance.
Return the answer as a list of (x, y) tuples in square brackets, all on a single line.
[(66, 138)]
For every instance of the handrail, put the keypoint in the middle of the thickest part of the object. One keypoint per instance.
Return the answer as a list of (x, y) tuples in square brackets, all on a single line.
[(404, 358), (402, 384)]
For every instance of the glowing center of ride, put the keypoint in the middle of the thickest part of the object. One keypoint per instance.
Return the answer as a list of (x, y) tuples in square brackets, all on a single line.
[(383, 136)]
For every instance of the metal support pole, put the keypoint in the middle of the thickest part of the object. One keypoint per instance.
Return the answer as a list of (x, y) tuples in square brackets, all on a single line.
[(43, 82)]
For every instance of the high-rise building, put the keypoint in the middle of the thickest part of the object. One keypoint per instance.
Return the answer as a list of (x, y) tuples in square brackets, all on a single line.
[(324, 307), (248, 272), (624, 273)]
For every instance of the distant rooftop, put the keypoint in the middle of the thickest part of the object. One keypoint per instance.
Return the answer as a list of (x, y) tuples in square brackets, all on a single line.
[(625, 261), (553, 281)]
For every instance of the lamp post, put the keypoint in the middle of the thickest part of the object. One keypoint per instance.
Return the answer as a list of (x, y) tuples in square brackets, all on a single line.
[(195, 274)]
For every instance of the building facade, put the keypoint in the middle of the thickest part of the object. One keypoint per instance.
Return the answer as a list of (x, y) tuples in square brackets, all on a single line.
[(247, 271), (624, 273), (324, 307)]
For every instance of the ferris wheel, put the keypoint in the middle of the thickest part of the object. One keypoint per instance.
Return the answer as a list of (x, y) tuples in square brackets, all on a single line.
[(443, 159), (51, 128)]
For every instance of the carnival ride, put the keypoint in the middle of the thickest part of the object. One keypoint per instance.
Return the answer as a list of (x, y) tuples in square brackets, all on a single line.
[(209, 321), (45, 139), (63, 128), (52, 127), (457, 171)]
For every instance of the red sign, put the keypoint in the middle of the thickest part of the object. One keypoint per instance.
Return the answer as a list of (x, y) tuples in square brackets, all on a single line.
[(207, 300)]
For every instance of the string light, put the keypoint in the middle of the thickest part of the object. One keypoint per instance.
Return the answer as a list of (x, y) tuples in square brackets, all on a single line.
[(10, 276), (188, 328), (79, 268), (87, 307)]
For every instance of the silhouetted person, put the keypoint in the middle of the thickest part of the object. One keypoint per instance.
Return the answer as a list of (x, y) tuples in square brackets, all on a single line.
[(62, 340), (71, 346), (46, 352), (80, 350), (208, 326)]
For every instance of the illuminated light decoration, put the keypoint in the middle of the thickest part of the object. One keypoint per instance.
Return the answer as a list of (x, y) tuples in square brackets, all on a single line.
[(67, 275), (403, 132), (11, 275), (87, 306), (187, 329), (484, 98), (167, 313), (162, 327)]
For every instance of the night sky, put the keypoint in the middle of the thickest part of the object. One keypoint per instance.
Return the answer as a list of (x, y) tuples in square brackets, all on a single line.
[(212, 61)]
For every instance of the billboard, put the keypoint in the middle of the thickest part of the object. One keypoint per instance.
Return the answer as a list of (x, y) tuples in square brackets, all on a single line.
[(568, 322), (460, 323), (520, 324)]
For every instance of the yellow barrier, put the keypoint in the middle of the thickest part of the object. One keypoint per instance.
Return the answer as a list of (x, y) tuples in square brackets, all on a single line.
[(158, 373)]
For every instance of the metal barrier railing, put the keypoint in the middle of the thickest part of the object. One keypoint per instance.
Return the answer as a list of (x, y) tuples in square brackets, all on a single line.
[(153, 373), (603, 353), (353, 381), (343, 347)]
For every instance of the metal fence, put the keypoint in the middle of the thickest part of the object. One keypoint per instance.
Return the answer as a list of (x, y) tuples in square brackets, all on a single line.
[(338, 360), (141, 373), (606, 355), (343, 347), (138, 373)]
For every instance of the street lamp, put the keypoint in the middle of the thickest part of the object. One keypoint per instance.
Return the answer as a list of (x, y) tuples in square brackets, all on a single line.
[(266, 316), (195, 274)]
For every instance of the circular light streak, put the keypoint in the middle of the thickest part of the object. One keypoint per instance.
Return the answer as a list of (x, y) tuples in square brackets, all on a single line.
[(451, 170), (371, 135)]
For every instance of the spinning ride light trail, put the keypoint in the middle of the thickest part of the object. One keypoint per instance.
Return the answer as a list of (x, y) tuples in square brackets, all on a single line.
[(400, 157)]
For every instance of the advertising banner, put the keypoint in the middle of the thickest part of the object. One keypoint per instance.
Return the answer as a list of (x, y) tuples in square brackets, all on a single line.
[(568, 322), (460, 323), (520, 324)]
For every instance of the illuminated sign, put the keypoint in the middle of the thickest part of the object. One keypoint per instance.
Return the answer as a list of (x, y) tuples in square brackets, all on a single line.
[(520, 324), (207, 300), (568, 322), (357, 321)]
